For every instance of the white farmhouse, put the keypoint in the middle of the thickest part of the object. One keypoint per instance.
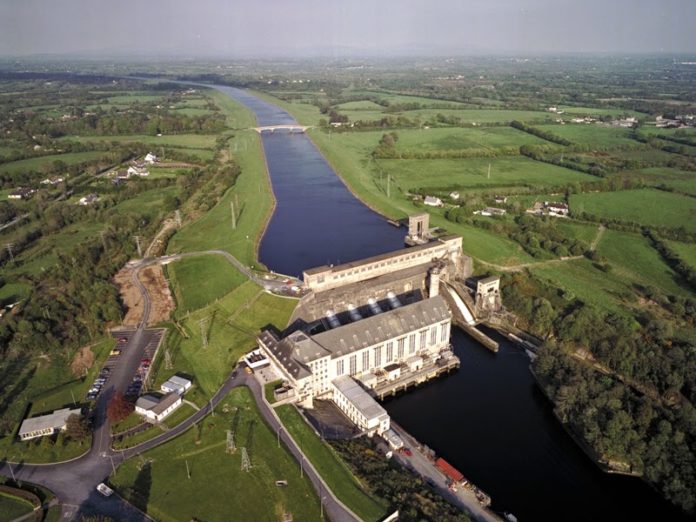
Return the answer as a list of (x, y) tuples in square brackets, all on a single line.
[(150, 158), (432, 201)]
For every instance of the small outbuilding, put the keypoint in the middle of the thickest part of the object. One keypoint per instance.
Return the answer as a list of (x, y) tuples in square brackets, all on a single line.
[(176, 384)]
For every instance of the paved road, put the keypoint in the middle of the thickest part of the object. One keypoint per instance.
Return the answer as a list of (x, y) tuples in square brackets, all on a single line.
[(418, 462), (334, 508)]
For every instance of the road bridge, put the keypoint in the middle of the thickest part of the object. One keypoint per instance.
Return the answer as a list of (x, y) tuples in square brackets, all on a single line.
[(273, 128)]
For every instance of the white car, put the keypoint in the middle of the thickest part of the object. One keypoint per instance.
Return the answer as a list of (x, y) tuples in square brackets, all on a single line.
[(105, 490)]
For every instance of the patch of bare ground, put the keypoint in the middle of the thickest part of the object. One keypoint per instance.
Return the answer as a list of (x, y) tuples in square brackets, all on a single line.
[(160, 295), (83, 361), (162, 303)]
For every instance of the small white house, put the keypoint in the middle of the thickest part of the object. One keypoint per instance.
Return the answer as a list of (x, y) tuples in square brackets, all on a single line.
[(155, 408), (176, 384), (138, 171), (150, 158), (432, 201), (454, 195), (46, 424), (88, 199)]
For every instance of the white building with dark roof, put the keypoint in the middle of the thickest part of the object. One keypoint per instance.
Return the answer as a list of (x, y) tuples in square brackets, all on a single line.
[(46, 424)]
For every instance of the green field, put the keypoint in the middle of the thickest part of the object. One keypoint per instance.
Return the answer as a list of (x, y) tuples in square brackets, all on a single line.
[(686, 251), (330, 466), (473, 173), (482, 116), (644, 206), (198, 281), (252, 192), (580, 279), (591, 134), (459, 138), (231, 325), (200, 141), (363, 105), (634, 259), (149, 203), (13, 507), (44, 253), (678, 180), (158, 482), (11, 292), (62, 396), (70, 158)]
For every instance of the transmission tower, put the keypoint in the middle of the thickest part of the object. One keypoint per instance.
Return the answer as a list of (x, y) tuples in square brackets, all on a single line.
[(168, 360), (246, 463), (204, 337), (234, 215), (9, 247), (137, 244), (231, 446)]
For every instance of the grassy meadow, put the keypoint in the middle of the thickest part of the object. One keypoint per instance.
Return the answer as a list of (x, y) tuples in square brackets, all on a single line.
[(644, 206), (197, 281), (330, 466), (158, 482)]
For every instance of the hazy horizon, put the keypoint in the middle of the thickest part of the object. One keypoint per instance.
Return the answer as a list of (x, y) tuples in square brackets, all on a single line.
[(303, 28)]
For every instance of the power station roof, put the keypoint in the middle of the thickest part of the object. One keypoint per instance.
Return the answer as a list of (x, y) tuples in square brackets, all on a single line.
[(381, 327)]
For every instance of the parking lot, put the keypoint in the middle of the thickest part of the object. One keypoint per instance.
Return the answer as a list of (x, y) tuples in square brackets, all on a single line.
[(120, 351)]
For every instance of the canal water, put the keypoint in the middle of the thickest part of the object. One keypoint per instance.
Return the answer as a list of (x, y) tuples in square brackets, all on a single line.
[(488, 419)]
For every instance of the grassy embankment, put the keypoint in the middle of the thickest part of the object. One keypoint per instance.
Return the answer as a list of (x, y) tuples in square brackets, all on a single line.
[(217, 489), (12, 507), (251, 194), (330, 466)]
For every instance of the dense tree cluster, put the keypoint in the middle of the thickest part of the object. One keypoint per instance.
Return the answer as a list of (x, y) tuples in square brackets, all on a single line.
[(643, 416), (388, 480)]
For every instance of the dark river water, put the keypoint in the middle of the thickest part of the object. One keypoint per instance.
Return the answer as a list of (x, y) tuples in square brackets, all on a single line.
[(488, 419)]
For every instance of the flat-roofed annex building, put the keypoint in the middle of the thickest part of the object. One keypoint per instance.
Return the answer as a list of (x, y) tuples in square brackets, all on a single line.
[(46, 424), (359, 406), (311, 362)]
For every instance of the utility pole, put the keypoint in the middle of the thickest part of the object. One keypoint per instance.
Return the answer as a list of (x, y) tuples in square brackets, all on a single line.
[(9, 247), (137, 244), (234, 217), (489, 171), (73, 398), (204, 337), (188, 472), (177, 217), (388, 180)]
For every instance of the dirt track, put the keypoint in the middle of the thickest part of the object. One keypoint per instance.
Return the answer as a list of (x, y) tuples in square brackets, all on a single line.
[(156, 284)]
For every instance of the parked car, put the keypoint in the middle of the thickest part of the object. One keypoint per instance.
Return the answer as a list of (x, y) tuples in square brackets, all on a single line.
[(115, 352), (122, 340), (104, 489)]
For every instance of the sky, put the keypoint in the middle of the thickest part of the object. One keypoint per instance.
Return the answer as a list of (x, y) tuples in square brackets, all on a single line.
[(248, 28)]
